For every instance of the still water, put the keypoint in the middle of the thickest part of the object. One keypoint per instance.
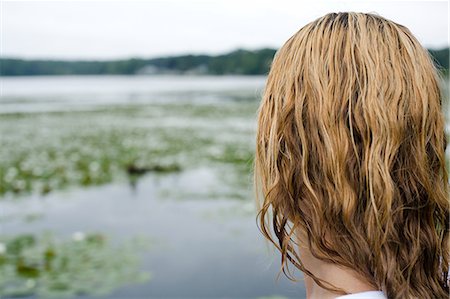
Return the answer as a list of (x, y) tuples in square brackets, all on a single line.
[(163, 159)]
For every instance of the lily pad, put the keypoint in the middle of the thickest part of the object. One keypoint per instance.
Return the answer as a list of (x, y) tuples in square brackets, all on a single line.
[(47, 266)]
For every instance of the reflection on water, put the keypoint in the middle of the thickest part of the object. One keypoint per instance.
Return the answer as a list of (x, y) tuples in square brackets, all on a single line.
[(166, 159), (199, 248)]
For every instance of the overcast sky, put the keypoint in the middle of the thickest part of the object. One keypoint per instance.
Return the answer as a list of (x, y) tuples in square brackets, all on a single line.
[(122, 29)]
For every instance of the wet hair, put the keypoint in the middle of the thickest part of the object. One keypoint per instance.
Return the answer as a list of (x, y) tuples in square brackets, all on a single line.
[(350, 152)]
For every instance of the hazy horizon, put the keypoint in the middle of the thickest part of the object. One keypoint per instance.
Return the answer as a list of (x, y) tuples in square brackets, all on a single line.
[(137, 57), (151, 57)]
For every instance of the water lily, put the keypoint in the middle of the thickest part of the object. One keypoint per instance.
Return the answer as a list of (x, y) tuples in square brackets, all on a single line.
[(78, 236), (30, 283)]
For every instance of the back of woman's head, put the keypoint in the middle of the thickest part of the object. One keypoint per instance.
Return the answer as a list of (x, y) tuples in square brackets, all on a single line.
[(351, 153)]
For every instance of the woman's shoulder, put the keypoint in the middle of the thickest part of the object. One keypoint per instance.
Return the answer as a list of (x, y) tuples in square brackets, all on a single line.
[(364, 295)]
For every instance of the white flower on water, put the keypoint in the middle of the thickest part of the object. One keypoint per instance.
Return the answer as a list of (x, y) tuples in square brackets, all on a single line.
[(11, 173), (94, 167), (2, 248), (31, 283), (78, 236)]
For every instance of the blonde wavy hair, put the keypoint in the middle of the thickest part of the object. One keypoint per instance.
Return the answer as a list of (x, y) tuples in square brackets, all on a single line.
[(350, 151)]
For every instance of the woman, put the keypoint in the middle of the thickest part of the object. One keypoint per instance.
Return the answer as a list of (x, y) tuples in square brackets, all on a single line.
[(350, 161)]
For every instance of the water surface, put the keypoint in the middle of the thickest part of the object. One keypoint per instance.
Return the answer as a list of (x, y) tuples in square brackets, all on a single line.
[(70, 143)]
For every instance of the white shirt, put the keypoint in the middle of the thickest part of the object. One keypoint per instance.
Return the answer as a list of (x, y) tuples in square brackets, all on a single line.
[(364, 295)]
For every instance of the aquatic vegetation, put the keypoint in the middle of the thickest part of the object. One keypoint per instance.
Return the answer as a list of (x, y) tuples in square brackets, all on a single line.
[(45, 151), (47, 266)]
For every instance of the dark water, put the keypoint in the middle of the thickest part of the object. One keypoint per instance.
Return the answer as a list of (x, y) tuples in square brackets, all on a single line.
[(198, 248)]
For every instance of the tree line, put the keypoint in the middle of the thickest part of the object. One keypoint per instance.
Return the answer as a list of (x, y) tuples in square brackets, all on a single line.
[(242, 62)]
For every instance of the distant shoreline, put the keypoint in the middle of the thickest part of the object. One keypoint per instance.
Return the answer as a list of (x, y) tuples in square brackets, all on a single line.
[(134, 76), (238, 62)]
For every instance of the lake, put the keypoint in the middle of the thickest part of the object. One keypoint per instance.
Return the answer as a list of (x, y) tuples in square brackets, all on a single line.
[(132, 187)]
